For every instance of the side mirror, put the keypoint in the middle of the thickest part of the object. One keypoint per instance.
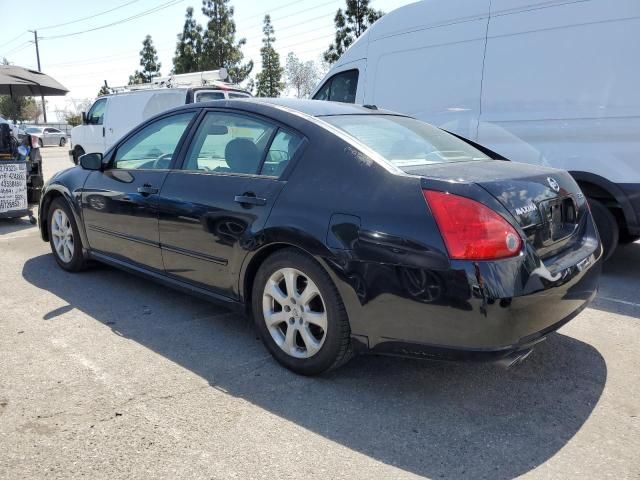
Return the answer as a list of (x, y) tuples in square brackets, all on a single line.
[(84, 118), (91, 161)]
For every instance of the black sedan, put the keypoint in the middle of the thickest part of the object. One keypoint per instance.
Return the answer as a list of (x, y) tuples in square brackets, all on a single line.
[(340, 229)]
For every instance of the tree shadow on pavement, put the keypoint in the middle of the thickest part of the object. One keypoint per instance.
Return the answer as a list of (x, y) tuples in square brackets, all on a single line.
[(459, 420)]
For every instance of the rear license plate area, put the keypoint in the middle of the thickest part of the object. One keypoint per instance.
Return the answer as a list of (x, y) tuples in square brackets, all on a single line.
[(560, 216)]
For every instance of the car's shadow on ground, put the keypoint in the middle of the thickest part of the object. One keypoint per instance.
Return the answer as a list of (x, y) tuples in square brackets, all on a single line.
[(432, 419), (13, 225)]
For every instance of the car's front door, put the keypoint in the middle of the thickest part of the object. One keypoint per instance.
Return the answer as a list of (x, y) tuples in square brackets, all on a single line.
[(120, 203), (213, 209)]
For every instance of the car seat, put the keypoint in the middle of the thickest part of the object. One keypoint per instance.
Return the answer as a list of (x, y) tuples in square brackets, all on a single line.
[(242, 156)]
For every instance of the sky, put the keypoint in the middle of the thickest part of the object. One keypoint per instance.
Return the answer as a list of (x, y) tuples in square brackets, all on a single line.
[(83, 61)]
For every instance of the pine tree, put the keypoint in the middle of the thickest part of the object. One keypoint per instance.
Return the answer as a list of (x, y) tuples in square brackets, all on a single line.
[(350, 24), (104, 90), (149, 63), (189, 46), (219, 47), (270, 78)]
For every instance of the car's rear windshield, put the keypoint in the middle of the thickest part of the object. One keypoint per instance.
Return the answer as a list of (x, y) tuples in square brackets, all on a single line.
[(405, 142)]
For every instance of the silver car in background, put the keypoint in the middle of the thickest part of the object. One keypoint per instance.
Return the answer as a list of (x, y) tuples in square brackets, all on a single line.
[(48, 136)]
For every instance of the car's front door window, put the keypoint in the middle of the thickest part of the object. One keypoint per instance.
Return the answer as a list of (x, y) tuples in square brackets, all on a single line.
[(153, 147), (96, 114), (229, 143)]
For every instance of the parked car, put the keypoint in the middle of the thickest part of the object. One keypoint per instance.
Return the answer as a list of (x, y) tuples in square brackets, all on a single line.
[(341, 229), (47, 136), (546, 82), (111, 116)]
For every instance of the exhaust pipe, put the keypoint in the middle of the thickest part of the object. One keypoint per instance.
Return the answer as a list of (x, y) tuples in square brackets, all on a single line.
[(514, 358)]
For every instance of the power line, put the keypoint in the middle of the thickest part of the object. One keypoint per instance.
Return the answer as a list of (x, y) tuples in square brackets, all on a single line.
[(90, 16), (253, 38), (19, 48), (12, 40), (269, 11), (133, 17), (293, 14)]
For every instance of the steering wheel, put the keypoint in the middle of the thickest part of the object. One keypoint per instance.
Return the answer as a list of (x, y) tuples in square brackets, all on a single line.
[(163, 161)]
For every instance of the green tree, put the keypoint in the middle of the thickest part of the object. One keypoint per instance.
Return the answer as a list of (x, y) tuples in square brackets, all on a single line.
[(189, 46), (149, 63), (269, 80), (73, 119), (19, 108), (350, 24), (104, 90), (219, 46)]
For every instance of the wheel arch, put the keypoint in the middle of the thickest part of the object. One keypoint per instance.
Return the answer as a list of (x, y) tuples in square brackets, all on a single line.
[(253, 263), (53, 192), (595, 186)]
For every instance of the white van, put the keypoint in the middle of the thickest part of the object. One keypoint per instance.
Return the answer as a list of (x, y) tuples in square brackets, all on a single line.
[(550, 82), (111, 116)]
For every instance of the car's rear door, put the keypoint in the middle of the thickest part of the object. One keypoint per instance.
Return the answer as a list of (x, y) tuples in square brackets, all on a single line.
[(119, 204), (214, 208)]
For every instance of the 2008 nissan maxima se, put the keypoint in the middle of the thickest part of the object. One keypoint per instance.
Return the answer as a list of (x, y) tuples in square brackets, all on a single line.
[(339, 228)]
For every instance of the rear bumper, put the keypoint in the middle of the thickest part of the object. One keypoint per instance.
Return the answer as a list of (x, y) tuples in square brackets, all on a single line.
[(473, 310)]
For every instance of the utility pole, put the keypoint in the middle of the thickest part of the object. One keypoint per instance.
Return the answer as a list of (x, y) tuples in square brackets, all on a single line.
[(44, 107)]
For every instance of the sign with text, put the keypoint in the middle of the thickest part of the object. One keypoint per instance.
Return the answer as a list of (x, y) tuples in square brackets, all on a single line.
[(13, 186)]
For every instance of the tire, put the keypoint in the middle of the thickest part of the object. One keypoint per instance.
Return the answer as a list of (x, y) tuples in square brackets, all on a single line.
[(40, 143), (63, 142), (77, 153), (607, 227), (309, 349), (63, 228)]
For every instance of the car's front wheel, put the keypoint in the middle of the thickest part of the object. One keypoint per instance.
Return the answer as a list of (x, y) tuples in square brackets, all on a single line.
[(64, 238), (300, 315), (63, 141)]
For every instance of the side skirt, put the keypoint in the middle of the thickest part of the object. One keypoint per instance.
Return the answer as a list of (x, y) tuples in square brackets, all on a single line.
[(185, 287)]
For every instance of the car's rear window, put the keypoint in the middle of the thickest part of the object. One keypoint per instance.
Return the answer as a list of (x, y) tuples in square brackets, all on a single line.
[(405, 142)]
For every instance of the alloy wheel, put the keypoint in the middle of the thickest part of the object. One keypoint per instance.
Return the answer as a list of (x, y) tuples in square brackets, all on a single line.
[(294, 312), (62, 233)]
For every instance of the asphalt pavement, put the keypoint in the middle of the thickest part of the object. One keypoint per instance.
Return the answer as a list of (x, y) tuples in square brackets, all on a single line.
[(106, 375)]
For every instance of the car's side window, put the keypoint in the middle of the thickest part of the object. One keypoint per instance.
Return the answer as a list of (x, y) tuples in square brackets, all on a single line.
[(323, 93), (342, 87), (96, 114), (282, 150), (229, 143), (153, 147)]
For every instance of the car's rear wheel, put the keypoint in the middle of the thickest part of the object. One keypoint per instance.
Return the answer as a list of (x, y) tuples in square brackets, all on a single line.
[(63, 141), (40, 143), (300, 315), (64, 238), (607, 227)]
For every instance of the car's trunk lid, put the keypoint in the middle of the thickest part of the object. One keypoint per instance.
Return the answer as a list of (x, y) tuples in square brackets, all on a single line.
[(546, 203)]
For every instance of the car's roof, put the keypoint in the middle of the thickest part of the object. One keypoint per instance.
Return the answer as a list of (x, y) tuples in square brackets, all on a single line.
[(314, 108)]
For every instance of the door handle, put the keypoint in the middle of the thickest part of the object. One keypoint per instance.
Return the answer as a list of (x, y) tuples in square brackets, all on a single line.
[(147, 189), (250, 199)]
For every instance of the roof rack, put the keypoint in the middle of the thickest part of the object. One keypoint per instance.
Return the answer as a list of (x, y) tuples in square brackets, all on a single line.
[(194, 79)]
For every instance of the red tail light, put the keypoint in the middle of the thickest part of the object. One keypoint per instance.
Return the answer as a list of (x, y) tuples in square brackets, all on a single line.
[(472, 231)]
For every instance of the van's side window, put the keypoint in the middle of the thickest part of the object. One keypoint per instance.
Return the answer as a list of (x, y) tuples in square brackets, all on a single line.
[(341, 87), (96, 114)]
